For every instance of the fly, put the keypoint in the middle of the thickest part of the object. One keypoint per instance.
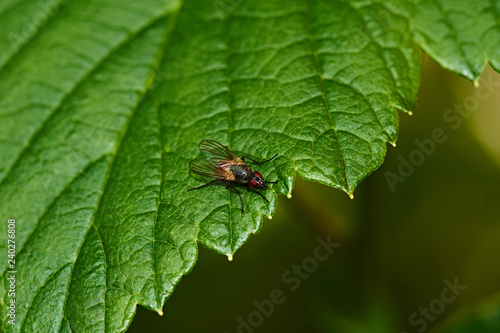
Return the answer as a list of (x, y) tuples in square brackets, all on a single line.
[(228, 169)]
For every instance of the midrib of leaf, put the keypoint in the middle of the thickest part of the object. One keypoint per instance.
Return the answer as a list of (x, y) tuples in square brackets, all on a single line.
[(155, 64), (97, 207), (92, 224), (163, 46)]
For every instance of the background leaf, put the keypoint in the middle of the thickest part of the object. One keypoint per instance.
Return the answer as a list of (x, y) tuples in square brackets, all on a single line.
[(107, 103), (483, 317), (461, 35)]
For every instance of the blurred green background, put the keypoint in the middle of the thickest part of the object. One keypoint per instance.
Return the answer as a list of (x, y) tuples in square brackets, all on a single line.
[(397, 247)]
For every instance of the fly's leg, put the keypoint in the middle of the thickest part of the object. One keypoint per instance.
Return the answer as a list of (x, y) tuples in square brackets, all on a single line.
[(202, 186), (259, 163), (230, 187), (255, 191)]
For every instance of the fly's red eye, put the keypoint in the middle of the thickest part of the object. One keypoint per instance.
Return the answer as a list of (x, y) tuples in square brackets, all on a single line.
[(258, 175), (253, 183)]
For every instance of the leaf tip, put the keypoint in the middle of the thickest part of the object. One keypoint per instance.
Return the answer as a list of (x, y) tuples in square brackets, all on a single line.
[(475, 83), (351, 195), (289, 195), (160, 312), (230, 257), (393, 144), (270, 216), (410, 113)]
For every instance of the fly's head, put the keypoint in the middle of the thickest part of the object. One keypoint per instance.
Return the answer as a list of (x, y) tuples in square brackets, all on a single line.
[(257, 181)]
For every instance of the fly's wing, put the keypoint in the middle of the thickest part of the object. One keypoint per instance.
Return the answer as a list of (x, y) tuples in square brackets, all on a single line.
[(217, 152), (205, 168)]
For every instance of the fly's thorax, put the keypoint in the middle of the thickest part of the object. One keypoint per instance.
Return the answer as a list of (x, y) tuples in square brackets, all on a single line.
[(241, 172)]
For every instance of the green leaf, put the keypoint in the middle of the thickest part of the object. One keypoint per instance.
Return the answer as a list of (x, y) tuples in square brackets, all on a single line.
[(105, 104)]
